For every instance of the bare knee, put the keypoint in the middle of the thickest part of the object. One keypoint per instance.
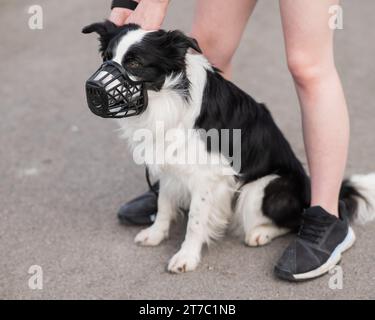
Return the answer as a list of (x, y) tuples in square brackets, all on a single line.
[(307, 70), (214, 49)]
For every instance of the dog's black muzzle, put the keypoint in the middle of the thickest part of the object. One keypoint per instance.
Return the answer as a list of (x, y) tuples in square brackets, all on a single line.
[(112, 94)]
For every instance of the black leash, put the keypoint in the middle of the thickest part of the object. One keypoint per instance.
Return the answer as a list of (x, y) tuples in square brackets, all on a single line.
[(150, 185)]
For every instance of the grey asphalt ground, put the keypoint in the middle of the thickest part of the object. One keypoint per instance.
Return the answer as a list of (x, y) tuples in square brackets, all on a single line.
[(65, 172)]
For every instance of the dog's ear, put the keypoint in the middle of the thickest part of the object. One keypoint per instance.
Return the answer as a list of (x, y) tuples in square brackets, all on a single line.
[(101, 28), (106, 31), (180, 40)]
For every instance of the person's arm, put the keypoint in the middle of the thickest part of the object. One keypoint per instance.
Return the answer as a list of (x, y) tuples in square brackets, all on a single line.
[(149, 14)]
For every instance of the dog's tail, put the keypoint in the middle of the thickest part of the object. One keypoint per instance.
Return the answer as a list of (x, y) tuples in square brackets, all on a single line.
[(358, 193)]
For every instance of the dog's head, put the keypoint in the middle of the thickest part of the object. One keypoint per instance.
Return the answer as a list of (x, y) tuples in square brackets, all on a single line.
[(147, 56)]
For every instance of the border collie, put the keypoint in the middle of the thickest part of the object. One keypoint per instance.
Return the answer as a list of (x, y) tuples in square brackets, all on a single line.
[(263, 199)]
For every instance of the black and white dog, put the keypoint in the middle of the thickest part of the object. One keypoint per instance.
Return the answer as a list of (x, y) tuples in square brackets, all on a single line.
[(264, 198)]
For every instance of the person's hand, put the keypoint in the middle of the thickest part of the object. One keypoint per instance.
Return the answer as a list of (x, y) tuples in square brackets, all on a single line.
[(149, 14), (120, 15)]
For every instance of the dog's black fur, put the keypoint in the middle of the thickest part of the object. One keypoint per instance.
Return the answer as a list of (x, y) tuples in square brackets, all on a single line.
[(264, 149)]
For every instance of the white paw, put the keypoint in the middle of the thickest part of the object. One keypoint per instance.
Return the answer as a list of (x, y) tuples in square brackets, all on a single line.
[(150, 237), (259, 236), (183, 261)]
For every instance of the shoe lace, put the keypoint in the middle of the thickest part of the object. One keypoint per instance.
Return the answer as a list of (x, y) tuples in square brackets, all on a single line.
[(312, 229)]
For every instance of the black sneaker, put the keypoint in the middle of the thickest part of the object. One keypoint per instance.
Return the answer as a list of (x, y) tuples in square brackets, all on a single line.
[(321, 240), (141, 210)]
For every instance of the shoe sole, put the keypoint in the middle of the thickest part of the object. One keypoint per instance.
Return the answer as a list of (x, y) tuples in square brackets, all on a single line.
[(136, 221), (333, 260)]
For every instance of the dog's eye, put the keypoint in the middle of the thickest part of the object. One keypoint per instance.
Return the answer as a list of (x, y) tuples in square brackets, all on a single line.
[(132, 64)]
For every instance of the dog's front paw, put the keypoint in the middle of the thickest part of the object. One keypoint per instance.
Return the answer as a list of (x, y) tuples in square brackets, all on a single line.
[(151, 236), (183, 261)]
